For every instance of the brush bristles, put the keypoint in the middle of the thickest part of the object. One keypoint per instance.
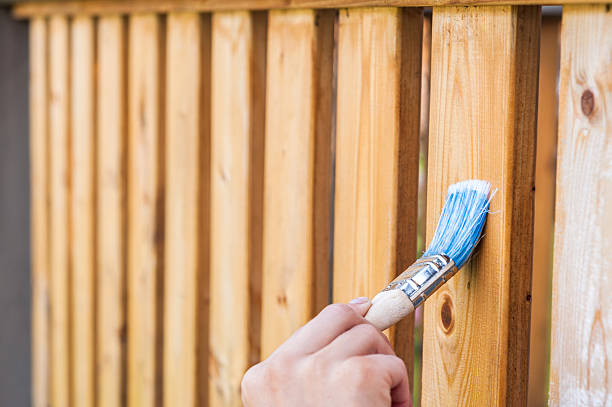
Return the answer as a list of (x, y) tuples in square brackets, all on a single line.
[(461, 221)]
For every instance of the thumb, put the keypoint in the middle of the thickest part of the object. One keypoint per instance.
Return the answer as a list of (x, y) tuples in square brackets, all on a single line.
[(361, 305)]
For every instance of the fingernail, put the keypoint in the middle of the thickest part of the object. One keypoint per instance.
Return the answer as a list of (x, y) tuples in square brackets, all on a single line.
[(359, 300)]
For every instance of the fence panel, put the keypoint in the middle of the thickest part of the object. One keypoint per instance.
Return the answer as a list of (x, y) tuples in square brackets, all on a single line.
[(377, 149), (298, 118), (482, 125), (111, 212), (582, 305), (145, 208), (238, 99)]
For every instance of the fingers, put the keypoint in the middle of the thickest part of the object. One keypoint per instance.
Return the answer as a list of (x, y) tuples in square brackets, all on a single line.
[(393, 370), (362, 339), (334, 320)]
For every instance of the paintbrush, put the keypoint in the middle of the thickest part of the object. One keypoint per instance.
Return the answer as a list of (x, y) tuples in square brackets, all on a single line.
[(457, 234)]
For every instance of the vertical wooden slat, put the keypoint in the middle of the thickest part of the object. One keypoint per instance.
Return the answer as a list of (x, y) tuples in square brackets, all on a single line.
[(184, 268), (145, 209), (82, 209), (238, 54), (39, 159), (483, 114), (539, 342), (582, 306), (377, 153), (299, 64), (111, 206), (59, 204)]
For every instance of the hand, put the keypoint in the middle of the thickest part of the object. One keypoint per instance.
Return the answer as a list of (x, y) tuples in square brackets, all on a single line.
[(336, 359)]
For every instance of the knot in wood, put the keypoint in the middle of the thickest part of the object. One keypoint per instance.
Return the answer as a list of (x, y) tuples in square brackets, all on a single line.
[(587, 102), (446, 314)]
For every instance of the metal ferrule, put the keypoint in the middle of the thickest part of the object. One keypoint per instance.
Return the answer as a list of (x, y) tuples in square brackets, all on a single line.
[(424, 277)]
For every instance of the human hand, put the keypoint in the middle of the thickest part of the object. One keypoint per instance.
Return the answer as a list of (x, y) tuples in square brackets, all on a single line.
[(336, 359)]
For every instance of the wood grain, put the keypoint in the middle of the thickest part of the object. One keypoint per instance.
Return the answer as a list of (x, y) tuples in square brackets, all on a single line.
[(541, 284), (377, 154), (111, 212), (582, 306), (145, 208), (39, 187), (298, 119), (184, 268), (82, 209), (59, 174), (100, 7), (238, 98), (482, 125)]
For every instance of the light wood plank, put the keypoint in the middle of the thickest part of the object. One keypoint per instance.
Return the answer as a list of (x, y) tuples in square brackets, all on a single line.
[(187, 136), (111, 215), (59, 200), (145, 209), (377, 154), (582, 305), (299, 66), (100, 7), (482, 125), (82, 209), (39, 163), (238, 54), (541, 286)]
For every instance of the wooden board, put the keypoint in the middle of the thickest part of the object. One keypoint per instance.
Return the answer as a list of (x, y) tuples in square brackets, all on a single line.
[(145, 222), (377, 153), (582, 305), (59, 182), (39, 187), (99, 7), (541, 285), (82, 209), (298, 119), (237, 100), (187, 135), (111, 212), (482, 125)]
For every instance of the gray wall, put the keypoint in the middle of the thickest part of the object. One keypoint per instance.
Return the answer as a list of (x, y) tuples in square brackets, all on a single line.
[(14, 214)]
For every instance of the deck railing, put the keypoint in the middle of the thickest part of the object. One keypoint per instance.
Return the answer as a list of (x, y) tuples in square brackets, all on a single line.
[(207, 175)]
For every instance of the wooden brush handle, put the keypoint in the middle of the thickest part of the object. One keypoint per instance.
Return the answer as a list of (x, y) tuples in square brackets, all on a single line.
[(388, 307)]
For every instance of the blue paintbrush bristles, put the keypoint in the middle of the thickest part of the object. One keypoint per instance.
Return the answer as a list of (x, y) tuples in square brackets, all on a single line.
[(462, 220)]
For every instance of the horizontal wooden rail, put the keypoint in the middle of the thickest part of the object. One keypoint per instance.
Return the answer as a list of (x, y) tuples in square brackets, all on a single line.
[(105, 7)]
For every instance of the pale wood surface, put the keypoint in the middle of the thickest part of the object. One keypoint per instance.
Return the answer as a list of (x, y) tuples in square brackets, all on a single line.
[(74, 7), (582, 305), (145, 209), (377, 145), (541, 286), (295, 117), (82, 209), (111, 215), (482, 125), (184, 269), (39, 187), (59, 183), (237, 129)]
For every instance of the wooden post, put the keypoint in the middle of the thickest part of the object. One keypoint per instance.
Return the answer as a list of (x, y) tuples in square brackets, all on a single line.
[(82, 164), (541, 287), (582, 304), (377, 154), (187, 163), (39, 161), (145, 208), (297, 171), (482, 125), (59, 175), (238, 98), (111, 206)]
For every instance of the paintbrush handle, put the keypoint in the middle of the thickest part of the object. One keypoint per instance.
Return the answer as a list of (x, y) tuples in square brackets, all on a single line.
[(409, 290)]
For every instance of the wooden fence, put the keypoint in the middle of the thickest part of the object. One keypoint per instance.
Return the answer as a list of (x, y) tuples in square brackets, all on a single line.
[(207, 175)]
